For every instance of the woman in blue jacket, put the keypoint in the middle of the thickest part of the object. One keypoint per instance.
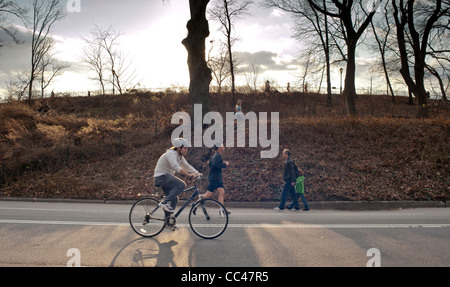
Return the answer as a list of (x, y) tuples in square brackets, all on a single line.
[(216, 164)]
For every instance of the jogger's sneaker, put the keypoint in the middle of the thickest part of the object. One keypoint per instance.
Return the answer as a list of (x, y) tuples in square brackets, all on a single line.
[(223, 211), (166, 206), (277, 209), (172, 228)]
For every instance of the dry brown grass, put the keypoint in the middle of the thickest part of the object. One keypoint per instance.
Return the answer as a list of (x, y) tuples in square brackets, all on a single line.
[(106, 148)]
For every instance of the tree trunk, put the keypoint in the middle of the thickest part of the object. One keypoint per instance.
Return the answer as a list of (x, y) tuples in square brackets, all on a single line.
[(422, 97), (200, 74), (30, 87), (233, 84), (327, 57), (230, 54), (349, 87)]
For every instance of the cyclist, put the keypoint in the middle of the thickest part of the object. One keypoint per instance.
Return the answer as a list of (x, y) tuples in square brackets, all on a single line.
[(216, 164), (171, 162)]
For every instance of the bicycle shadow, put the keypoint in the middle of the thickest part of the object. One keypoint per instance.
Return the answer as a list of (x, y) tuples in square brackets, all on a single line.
[(145, 252)]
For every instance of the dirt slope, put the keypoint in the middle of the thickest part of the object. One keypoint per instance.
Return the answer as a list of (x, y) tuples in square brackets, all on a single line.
[(107, 147)]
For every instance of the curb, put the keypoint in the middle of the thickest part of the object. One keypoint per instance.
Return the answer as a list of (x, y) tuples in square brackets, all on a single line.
[(319, 205), (350, 205)]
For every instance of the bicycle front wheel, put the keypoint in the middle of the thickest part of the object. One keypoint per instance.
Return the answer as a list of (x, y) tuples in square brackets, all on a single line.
[(208, 218), (146, 218)]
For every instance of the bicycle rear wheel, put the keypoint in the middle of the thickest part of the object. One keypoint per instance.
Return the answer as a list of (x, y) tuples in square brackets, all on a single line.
[(208, 218), (146, 218)]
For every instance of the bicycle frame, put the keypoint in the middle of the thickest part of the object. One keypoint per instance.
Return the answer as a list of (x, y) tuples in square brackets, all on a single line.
[(196, 192)]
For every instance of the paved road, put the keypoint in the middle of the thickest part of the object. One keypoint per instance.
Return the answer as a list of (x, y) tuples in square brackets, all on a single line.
[(55, 234)]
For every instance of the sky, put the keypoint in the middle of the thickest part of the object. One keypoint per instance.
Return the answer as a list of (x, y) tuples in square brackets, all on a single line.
[(151, 35)]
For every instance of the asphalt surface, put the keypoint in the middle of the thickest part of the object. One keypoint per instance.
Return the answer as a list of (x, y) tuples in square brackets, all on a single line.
[(98, 234)]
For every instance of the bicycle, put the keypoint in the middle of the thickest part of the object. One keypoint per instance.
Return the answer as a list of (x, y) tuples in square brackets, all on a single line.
[(208, 218)]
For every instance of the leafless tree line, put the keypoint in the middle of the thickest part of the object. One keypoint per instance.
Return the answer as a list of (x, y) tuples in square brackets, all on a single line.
[(411, 36), (102, 53), (39, 19), (226, 13)]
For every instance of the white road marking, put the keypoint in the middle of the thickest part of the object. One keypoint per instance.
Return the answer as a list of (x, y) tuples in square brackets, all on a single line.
[(263, 225)]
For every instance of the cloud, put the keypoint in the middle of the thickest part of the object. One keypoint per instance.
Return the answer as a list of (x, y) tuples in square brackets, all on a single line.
[(267, 60), (277, 13), (14, 57)]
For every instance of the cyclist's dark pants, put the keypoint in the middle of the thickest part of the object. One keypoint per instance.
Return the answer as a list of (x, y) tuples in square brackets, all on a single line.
[(172, 187)]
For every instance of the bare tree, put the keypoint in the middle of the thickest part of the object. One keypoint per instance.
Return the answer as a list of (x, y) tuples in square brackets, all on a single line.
[(226, 12), (124, 76), (45, 14), (93, 58), (108, 40), (381, 31), (17, 85), (311, 25), (252, 73), (219, 65), (415, 23), (50, 68), (353, 23), (103, 56)]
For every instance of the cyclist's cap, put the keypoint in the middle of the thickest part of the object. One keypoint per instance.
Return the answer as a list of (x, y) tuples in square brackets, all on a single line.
[(181, 142)]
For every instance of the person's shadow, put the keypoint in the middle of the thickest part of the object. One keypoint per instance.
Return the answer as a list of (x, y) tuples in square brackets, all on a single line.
[(147, 251)]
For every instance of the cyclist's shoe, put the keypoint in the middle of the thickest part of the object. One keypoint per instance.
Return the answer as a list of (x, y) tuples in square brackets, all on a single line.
[(166, 206)]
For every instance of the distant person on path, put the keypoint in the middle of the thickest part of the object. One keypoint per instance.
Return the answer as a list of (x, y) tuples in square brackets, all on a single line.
[(216, 164), (267, 90), (239, 106), (289, 177), (171, 162), (238, 109)]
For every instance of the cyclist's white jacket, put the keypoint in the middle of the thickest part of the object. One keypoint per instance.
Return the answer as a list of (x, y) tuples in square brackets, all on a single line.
[(171, 162)]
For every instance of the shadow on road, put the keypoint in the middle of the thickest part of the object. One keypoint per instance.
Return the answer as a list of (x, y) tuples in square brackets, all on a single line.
[(145, 252)]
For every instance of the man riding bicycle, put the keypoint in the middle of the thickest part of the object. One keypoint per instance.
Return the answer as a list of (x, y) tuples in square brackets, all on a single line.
[(170, 163)]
